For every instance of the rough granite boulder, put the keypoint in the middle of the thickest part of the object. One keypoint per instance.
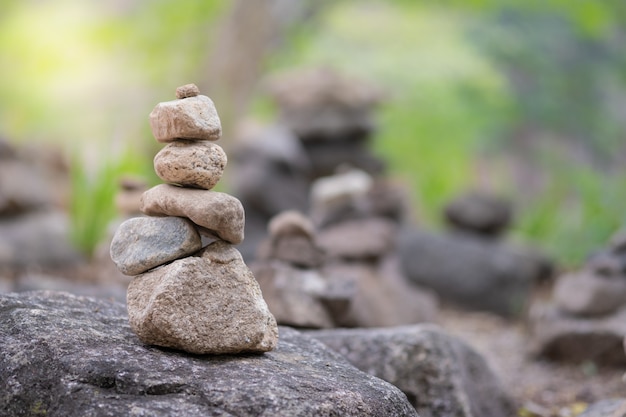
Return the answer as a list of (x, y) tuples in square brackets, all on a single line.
[(69, 356), (441, 375)]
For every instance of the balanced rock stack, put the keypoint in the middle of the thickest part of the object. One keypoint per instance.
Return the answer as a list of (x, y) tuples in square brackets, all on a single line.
[(187, 295)]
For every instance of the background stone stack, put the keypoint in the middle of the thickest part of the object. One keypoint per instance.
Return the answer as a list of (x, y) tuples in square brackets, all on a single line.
[(191, 289), (586, 318)]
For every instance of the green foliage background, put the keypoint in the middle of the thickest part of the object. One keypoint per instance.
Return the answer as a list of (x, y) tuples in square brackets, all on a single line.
[(523, 98)]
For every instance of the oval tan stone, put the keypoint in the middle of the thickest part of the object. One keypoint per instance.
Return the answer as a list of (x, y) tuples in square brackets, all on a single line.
[(218, 212), (193, 118), (191, 164)]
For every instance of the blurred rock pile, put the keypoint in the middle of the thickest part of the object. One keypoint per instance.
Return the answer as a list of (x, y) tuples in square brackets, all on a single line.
[(317, 161), (472, 264), (586, 318), (34, 226)]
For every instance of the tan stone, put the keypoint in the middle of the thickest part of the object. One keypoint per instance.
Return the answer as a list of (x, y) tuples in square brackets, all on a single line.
[(218, 212), (208, 304), (191, 163), (291, 222), (193, 118), (187, 90)]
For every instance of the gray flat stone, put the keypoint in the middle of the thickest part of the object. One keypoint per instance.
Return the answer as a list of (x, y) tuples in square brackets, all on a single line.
[(143, 243)]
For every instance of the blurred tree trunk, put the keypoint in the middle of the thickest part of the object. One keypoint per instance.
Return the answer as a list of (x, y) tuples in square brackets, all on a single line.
[(250, 31)]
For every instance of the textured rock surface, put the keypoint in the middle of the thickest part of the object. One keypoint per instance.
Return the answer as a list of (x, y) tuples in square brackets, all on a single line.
[(472, 272), (585, 293), (142, 243), (216, 211), (441, 375), (66, 356), (198, 164), (190, 118), (208, 303), (562, 337)]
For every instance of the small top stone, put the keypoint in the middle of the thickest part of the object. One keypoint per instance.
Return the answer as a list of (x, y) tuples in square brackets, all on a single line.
[(187, 90)]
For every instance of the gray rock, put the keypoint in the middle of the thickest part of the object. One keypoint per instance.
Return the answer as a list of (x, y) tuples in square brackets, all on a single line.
[(292, 240), (73, 356), (607, 263), (293, 295), (327, 155), (295, 250), (198, 164), (321, 102), (291, 223), (479, 212), (472, 272), (381, 296), (269, 174), (563, 337), (22, 188), (441, 375), (381, 199), (218, 212), (615, 407), (359, 239), (193, 118), (37, 239), (128, 197), (143, 243), (587, 294), (209, 303)]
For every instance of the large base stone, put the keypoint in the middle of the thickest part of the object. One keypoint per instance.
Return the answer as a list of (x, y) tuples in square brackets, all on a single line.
[(209, 303)]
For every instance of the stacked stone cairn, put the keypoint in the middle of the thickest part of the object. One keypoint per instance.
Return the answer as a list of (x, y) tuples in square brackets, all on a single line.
[(338, 267), (586, 318), (191, 289)]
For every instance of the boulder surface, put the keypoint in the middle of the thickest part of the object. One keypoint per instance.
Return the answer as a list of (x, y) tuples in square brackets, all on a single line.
[(64, 355), (440, 374)]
